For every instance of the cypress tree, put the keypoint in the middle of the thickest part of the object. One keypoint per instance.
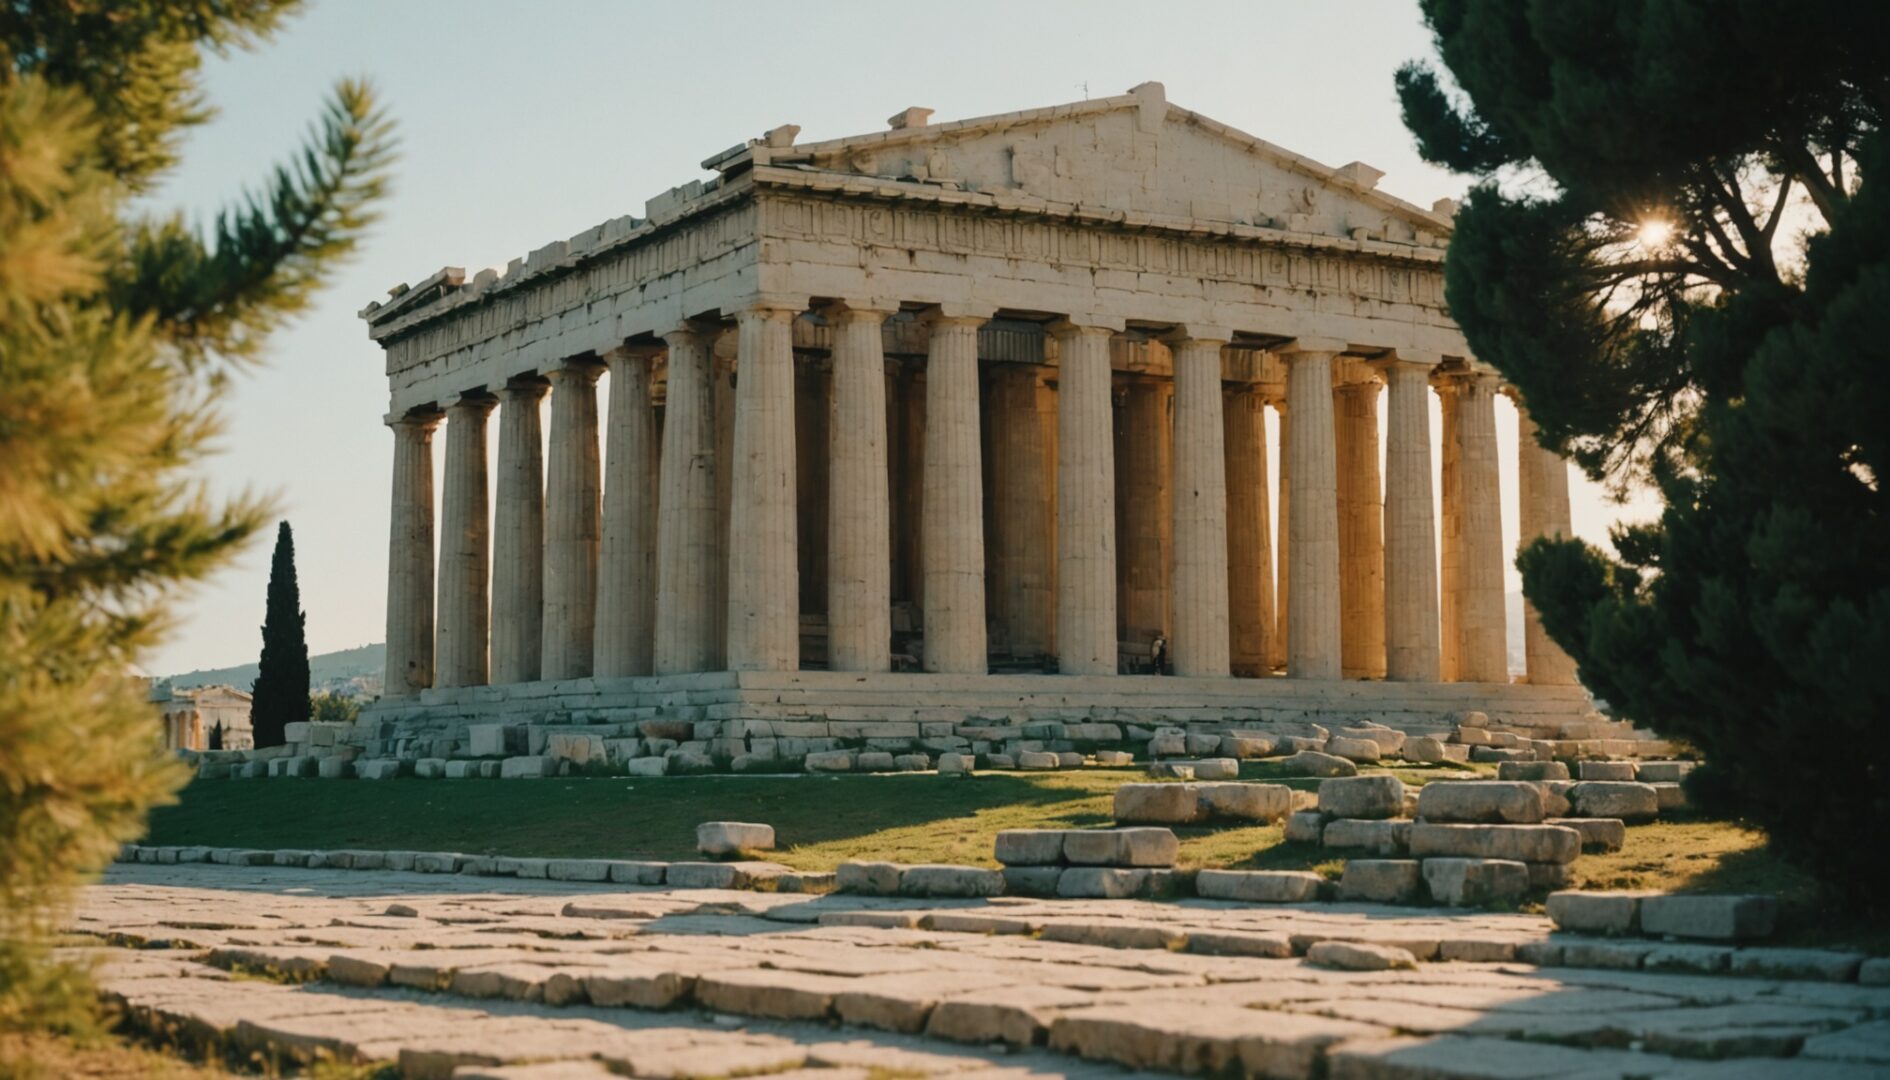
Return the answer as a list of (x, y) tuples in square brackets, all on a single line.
[(280, 694)]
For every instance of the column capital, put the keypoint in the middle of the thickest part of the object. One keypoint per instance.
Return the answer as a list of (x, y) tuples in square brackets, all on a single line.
[(858, 309), (1183, 333), (634, 350), (474, 401), (689, 330), (957, 314), (422, 420), (586, 369), (771, 308), (1354, 375), (1406, 360), (1085, 324), (1459, 376), (1310, 346), (525, 389)]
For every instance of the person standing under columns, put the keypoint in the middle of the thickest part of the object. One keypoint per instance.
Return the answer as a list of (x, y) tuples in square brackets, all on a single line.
[(410, 558), (1199, 504), (1361, 536), (626, 573), (1086, 496), (572, 524), (763, 575), (1312, 652), (1249, 533), (1542, 482), (951, 505), (464, 556), (1482, 650), (859, 524), (688, 540), (1411, 625), (518, 546)]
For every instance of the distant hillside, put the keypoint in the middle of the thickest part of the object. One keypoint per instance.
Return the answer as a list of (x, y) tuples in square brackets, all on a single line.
[(328, 667)]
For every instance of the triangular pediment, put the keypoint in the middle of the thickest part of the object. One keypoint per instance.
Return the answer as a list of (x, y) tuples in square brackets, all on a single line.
[(1135, 154)]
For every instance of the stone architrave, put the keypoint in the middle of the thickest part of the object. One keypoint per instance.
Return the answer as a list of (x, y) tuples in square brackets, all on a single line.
[(952, 502), (1200, 637), (518, 543), (763, 574), (1313, 650), (573, 524), (410, 558), (859, 520), (626, 572), (688, 537), (464, 547), (1086, 513)]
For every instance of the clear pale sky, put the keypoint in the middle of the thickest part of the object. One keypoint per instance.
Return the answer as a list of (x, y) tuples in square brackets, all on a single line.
[(526, 123)]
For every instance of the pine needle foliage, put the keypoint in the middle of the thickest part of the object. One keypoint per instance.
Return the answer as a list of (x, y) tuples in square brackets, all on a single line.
[(279, 696), (1679, 251), (116, 330)]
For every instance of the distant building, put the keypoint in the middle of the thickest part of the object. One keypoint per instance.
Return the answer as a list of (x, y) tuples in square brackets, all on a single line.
[(190, 715)]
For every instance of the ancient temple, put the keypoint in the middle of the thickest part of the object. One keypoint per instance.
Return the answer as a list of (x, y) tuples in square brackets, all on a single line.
[(961, 419)]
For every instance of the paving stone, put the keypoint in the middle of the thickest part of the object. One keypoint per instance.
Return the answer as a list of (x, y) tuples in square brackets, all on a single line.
[(1245, 802), (1521, 843), (1017, 1015), (974, 922), (1611, 955), (1360, 956), (1100, 882), (1532, 770), (1472, 882), (1830, 965), (950, 881), (1155, 804), (1384, 880), (1032, 880), (869, 878), (1354, 750), (1718, 918), (782, 995), (1631, 802), (1476, 950), (1305, 827), (1597, 912), (1315, 763), (1115, 934), (578, 869), (1137, 846), (1480, 801), (638, 985), (1037, 847), (1382, 838), (1377, 796), (1195, 1038), (1697, 959), (1259, 886), (1598, 834), (1864, 1044), (810, 882), (733, 837)]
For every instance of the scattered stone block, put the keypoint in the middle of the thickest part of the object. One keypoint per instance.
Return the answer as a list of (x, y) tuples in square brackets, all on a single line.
[(1670, 795), (1532, 770), (1388, 881), (1170, 770), (1305, 827), (1293, 744), (808, 882), (1549, 877), (827, 761), (1031, 880), (1662, 772), (1495, 802), (922, 762), (1360, 956), (1121, 847), (1258, 886), (1038, 760), (1244, 746), (1101, 883), (1614, 799), (1471, 882), (1029, 847), (1606, 770), (733, 837), (1167, 744), (578, 869), (1427, 749), (1385, 838), (1114, 759), (377, 769), (1596, 912), (1500, 754), (1213, 768), (494, 740), (578, 748), (527, 768), (1598, 834), (873, 761), (462, 770), (955, 764), (1355, 750), (1245, 802), (1157, 804), (1555, 797), (1377, 796), (1203, 744), (646, 766), (869, 878), (1716, 918), (1520, 843), (1273, 946), (335, 767), (1456, 754), (950, 881)]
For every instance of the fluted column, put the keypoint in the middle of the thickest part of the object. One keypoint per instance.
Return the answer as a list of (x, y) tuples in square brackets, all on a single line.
[(1313, 650), (1199, 503), (1249, 533), (572, 523), (951, 507), (464, 552), (1361, 535), (1542, 481), (689, 563), (410, 558), (518, 544), (859, 524), (1086, 496), (1481, 648), (763, 575), (1411, 621), (1283, 559), (626, 572)]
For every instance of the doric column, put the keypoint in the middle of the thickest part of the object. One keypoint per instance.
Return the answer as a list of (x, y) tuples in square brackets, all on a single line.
[(1312, 652), (1474, 592), (1086, 496), (1542, 482), (1361, 535), (626, 572), (464, 554), (951, 507), (859, 524), (1411, 626), (763, 576), (1249, 533), (1200, 637), (1283, 559), (1022, 561), (688, 533), (518, 544), (410, 558), (572, 525)]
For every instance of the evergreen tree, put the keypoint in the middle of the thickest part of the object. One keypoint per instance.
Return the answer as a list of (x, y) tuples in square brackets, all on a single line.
[(216, 736), (1680, 253), (117, 328), (280, 693)]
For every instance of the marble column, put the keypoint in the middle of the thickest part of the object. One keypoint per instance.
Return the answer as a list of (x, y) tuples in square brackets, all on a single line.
[(410, 558), (465, 532), (518, 543), (1476, 601), (1249, 533), (1313, 650), (626, 572), (1022, 561), (763, 576), (1411, 620), (1361, 535), (688, 527), (951, 507), (572, 523), (1086, 495), (1542, 481), (1283, 558), (1201, 632), (859, 520)]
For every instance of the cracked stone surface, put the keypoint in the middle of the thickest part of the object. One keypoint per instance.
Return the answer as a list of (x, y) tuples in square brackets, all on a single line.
[(468, 977)]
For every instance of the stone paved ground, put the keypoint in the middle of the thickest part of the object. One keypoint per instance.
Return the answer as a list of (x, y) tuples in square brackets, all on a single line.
[(552, 980)]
